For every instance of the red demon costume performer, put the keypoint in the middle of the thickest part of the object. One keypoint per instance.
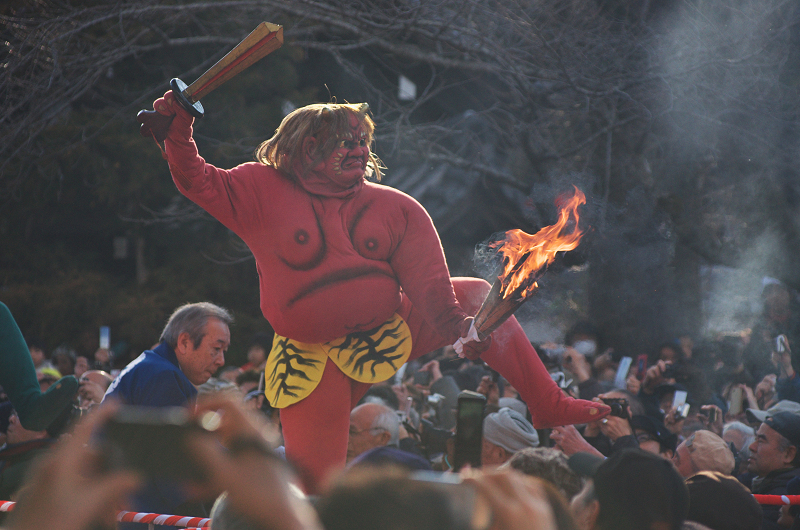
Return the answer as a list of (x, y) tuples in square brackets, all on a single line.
[(352, 274)]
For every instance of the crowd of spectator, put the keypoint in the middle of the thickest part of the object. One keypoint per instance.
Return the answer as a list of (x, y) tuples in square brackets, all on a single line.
[(697, 428)]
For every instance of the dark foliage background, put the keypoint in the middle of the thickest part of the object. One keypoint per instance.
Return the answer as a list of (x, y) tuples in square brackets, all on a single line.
[(677, 118)]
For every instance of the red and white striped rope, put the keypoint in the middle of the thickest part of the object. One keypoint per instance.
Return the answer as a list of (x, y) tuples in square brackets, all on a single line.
[(777, 499), (161, 519), (191, 523)]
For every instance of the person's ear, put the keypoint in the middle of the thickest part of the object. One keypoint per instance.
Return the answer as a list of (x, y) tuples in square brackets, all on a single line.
[(790, 455), (587, 519), (310, 146), (384, 437), (184, 344), (502, 454)]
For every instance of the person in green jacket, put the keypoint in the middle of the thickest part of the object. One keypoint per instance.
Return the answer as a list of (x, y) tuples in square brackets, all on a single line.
[(36, 410)]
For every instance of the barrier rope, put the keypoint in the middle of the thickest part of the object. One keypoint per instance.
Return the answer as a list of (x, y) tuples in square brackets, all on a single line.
[(161, 519), (777, 499), (191, 523)]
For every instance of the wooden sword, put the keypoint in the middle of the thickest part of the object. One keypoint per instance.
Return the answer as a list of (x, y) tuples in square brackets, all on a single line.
[(262, 41)]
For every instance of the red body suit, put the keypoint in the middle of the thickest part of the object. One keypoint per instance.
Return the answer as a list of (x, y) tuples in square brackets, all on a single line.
[(331, 262)]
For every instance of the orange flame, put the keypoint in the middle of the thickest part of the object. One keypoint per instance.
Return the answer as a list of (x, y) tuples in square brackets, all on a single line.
[(526, 256)]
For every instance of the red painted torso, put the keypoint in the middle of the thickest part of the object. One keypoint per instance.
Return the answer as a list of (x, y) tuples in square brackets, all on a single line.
[(328, 264)]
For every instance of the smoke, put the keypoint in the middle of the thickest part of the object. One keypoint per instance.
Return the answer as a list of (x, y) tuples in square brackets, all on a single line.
[(729, 71), (733, 295), (487, 262)]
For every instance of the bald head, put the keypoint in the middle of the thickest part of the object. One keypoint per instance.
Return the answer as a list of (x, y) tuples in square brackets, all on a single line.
[(98, 377), (372, 425)]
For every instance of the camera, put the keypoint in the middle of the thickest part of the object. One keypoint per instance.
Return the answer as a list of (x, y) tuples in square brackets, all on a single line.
[(619, 407), (670, 372), (422, 378), (154, 441), (711, 414), (433, 440)]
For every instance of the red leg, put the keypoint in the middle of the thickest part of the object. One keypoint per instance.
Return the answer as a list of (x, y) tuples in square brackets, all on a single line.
[(512, 355), (315, 429)]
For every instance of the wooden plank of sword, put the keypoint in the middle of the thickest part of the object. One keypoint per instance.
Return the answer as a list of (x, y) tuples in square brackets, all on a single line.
[(262, 41)]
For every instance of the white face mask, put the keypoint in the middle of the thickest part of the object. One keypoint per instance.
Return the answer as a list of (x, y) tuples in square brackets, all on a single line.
[(585, 347)]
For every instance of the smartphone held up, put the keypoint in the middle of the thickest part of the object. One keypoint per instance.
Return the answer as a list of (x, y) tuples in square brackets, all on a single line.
[(469, 430)]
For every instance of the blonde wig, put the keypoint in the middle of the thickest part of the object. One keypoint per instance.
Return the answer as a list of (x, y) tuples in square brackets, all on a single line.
[(328, 123)]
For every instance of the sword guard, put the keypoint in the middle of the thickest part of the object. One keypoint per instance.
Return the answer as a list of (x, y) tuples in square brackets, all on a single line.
[(194, 108)]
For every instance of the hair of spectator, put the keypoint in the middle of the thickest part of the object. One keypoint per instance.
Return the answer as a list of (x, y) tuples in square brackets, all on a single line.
[(389, 422), (637, 408), (384, 497), (192, 319), (249, 376), (34, 343), (748, 432), (384, 393), (559, 505), (676, 349), (585, 328), (64, 349), (550, 465)]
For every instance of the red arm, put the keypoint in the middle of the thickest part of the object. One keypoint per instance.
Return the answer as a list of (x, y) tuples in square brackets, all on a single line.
[(228, 195)]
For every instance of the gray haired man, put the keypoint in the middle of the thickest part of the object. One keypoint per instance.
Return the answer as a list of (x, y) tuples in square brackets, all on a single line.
[(192, 349)]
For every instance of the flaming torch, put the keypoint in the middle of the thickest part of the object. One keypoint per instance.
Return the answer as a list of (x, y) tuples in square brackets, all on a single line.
[(525, 260)]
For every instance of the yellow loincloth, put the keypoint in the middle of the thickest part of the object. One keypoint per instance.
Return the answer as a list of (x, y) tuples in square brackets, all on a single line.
[(294, 369)]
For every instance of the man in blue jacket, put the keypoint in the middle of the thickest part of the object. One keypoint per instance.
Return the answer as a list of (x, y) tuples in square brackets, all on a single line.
[(192, 348)]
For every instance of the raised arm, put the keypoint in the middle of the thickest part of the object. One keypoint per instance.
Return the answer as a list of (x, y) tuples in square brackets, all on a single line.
[(228, 195)]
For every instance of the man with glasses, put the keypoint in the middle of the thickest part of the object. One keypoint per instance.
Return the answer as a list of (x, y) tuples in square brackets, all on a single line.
[(372, 425)]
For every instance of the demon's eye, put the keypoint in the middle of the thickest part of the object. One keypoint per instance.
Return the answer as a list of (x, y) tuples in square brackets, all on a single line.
[(352, 144)]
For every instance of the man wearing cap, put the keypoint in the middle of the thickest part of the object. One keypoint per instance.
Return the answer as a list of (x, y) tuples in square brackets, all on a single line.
[(703, 451), (631, 490), (504, 433), (774, 460), (785, 405)]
